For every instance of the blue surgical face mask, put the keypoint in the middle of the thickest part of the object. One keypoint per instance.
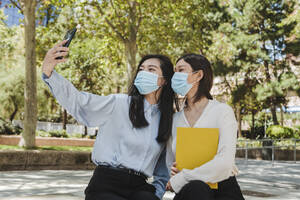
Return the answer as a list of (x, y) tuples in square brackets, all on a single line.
[(146, 82), (179, 83)]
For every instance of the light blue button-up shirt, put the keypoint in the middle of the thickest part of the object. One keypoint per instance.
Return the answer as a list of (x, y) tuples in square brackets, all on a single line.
[(118, 143)]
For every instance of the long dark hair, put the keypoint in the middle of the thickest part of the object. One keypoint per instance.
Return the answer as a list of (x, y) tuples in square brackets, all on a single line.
[(165, 101), (199, 62)]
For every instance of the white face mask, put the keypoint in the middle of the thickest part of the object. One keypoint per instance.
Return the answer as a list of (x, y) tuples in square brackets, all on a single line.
[(146, 82), (179, 83)]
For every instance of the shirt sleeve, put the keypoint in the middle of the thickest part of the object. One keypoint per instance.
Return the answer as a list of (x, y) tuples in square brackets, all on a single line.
[(89, 109), (170, 158), (161, 175), (220, 167)]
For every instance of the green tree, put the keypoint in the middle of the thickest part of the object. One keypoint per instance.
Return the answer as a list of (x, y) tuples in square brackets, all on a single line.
[(28, 9), (252, 45), (7, 43)]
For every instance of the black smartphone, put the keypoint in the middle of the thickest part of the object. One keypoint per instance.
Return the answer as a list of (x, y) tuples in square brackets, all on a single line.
[(69, 36)]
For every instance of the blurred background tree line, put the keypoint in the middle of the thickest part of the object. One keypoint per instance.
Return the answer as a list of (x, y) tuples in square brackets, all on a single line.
[(251, 44)]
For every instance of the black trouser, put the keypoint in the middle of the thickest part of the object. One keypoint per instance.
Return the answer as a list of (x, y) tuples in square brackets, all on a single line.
[(110, 184), (198, 190)]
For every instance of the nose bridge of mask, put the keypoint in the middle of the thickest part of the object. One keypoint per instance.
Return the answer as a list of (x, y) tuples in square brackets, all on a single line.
[(158, 76)]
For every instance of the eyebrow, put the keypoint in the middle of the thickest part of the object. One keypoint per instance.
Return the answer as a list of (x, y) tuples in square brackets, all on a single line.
[(150, 66), (181, 66)]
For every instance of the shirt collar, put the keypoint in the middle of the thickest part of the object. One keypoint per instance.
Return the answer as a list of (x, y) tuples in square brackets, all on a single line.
[(154, 107)]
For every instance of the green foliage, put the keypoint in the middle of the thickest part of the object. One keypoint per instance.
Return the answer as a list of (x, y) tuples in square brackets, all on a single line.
[(245, 142), (62, 134), (6, 128), (279, 144), (42, 133), (279, 132), (12, 71), (297, 131), (53, 148), (8, 40), (250, 44), (54, 133), (12, 97), (251, 54), (96, 63)]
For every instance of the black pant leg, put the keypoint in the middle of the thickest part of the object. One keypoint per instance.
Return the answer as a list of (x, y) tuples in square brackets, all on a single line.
[(107, 183), (195, 190), (107, 196), (143, 195), (229, 190), (141, 189)]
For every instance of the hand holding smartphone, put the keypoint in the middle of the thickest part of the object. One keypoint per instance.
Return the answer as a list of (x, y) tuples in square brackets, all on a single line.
[(69, 36)]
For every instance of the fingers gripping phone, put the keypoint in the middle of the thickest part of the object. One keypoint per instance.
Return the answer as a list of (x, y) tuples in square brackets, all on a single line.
[(69, 36)]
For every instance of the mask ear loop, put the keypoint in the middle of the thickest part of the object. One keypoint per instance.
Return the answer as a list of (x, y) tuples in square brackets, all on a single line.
[(195, 81), (159, 87), (185, 96)]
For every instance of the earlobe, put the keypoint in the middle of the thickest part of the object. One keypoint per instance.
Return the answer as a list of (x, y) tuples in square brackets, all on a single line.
[(200, 75), (200, 78)]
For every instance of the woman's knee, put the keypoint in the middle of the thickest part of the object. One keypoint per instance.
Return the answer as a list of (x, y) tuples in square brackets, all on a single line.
[(197, 185), (196, 189)]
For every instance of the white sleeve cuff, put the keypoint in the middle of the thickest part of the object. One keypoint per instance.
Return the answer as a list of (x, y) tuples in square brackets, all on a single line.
[(178, 181)]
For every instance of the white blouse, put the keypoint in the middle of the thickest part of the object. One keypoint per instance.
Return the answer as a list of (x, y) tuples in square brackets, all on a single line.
[(222, 166)]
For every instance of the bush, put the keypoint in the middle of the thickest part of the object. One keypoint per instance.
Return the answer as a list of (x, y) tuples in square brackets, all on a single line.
[(257, 133), (280, 132), (297, 132), (57, 133), (7, 128), (42, 133)]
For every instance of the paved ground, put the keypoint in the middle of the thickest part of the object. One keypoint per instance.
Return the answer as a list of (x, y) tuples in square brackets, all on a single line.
[(258, 180)]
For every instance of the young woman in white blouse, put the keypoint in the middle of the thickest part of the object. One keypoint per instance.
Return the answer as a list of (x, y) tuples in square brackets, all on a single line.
[(134, 128), (193, 79)]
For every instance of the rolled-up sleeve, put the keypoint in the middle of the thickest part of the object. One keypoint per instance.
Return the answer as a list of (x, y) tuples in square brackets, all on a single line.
[(89, 109)]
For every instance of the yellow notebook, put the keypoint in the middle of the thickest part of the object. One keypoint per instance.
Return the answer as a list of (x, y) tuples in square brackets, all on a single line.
[(196, 146)]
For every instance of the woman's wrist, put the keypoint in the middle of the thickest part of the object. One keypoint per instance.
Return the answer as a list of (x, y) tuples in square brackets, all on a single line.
[(47, 71)]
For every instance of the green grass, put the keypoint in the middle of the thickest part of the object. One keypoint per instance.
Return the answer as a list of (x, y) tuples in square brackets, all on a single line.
[(55, 148)]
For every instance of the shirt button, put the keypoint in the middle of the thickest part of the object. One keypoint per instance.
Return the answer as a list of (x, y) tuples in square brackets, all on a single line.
[(115, 158)]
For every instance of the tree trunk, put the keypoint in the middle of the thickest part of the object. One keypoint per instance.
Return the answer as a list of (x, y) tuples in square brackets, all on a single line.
[(12, 116), (281, 116), (65, 119), (253, 124), (274, 116), (130, 53), (16, 108), (239, 119), (272, 101), (30, 76), (85, 131)]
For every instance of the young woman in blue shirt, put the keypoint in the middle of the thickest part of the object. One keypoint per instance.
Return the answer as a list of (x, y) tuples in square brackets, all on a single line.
[(134, 128)]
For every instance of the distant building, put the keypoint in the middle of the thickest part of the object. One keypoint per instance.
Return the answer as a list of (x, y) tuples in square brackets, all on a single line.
[(13, 14), (14, 17)]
